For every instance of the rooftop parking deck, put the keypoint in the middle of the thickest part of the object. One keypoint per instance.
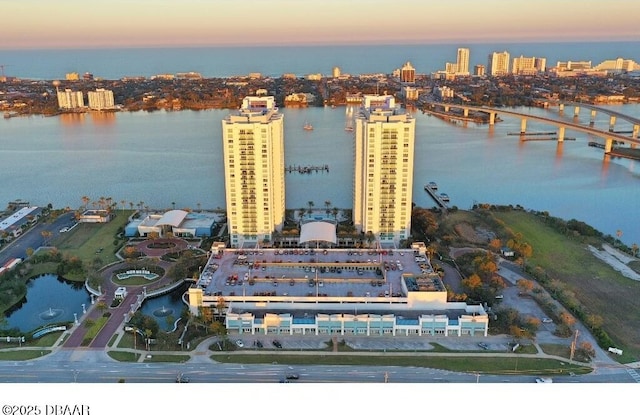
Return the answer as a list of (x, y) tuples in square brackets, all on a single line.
[(311, 272)]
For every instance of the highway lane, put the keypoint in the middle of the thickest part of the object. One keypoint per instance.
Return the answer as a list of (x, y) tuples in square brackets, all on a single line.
[(51, 371)]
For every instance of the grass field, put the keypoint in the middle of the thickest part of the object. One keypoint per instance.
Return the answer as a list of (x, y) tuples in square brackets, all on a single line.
[(22, 354), (124, 356), (599, 288), (483, 365), (90, 240)]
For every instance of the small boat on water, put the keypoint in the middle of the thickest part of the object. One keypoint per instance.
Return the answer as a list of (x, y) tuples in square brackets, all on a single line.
[(444, 197), (307, 127)]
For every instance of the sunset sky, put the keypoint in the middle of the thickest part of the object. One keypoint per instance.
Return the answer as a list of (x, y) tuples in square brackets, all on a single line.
[(137, 23)]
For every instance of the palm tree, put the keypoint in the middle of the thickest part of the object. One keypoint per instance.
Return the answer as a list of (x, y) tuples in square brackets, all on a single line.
[(46, 235), (301, 212), (327, 205), (85, 201), (173, 205), (335, 213), (131, 205), (123, 203), (370, 238), (310, 204)]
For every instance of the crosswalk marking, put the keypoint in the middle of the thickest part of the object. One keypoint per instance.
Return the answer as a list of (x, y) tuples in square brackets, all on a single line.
[(634, 374)]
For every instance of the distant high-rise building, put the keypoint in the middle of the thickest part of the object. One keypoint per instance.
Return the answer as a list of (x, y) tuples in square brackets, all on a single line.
[(498, 63), (618, 65), (528, 65), (408, 73), (69, 99), (574, 66), (101, 99), (479, 70), (461, 67), (463, 61), (336, 72), (253, 148), (383, 178)]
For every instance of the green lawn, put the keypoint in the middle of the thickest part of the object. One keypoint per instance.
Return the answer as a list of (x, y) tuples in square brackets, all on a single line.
[(483, 365), (22, 354), (124, 356), (86, 239), (168, 358), (93, 331), (599, 288)]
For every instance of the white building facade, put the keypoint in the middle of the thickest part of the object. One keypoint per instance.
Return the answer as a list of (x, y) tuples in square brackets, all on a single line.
[(383, 165), (101, 99), (524, 65), (69, 99), (498, 63), (253, 144), (463, 61)]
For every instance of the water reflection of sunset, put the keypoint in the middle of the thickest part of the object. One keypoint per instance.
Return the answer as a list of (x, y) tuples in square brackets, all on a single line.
[(103, 118), (71, 119), (99, 129)]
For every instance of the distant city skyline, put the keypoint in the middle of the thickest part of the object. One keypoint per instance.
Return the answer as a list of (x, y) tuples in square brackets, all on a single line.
[(40, 24)]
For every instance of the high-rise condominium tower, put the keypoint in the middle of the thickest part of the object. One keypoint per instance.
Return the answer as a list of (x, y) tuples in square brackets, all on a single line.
[(383, 179), (100, 99), (253, 143), (463, 61), (69, 99), (498, 63), (408, 73)]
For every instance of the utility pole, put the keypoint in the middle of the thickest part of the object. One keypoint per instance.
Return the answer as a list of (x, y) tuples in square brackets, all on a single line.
[(573, 345)]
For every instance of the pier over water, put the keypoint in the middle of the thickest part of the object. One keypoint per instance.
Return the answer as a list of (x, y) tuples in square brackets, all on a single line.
[(307, 169)]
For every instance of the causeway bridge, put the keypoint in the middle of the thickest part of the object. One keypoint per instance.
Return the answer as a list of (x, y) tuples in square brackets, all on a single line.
[(613, 115), (609, 137)]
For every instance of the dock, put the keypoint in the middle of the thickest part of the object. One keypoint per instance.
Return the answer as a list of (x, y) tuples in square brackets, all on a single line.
[(546, 139), (533, 133), (436, 198), (307, 169)]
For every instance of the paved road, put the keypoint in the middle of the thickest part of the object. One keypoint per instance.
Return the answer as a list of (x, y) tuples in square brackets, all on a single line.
[(33, 237), (95, 366)]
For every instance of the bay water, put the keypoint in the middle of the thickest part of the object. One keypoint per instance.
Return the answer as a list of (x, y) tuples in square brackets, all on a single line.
[(161, 158)]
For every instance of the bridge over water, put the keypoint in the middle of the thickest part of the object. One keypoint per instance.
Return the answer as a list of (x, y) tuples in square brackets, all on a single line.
[(609, 137), (613, 115)]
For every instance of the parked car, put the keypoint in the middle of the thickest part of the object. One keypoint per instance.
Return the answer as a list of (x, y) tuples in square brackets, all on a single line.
[(293, 376), (259, 344), (484, 346), (277, 344), (239, 343), (547, 320)]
